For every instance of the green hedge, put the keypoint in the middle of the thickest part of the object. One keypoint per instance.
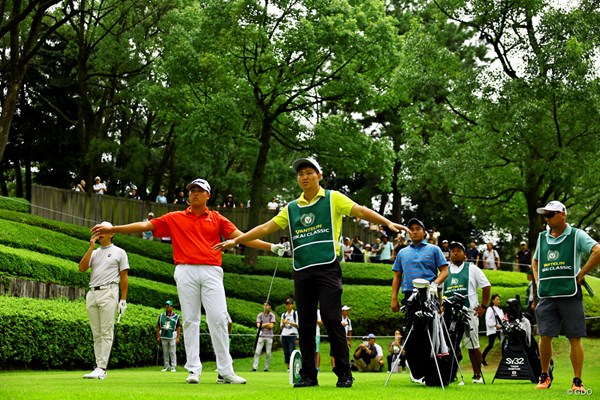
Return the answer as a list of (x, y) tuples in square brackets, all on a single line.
[(55, 333), (14, 204)]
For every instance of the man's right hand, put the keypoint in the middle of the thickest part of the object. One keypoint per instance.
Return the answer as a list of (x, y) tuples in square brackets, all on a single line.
[(395, 305)]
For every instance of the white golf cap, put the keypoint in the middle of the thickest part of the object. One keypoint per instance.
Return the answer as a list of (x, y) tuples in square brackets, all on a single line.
[(554, 205), (106, 223), (524, 242), (345, 308), (309, 160), (201, 183), (97, 178)]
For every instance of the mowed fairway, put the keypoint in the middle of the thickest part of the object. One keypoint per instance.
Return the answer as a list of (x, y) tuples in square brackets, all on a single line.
[(150, 383)]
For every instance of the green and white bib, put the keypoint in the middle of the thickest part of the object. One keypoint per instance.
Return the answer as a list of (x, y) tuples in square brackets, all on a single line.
[(311, 233), (458, 283), (556, 266), (168, 324)]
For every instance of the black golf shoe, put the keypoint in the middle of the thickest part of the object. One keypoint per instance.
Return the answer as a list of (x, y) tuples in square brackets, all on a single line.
[(306, 382), (345, 380)]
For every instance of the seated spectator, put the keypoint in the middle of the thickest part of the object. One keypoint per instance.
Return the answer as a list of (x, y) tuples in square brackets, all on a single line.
[(368, 357), (395, 349)]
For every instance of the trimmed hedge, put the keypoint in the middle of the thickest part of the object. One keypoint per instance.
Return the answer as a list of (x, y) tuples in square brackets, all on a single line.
[(15, 204), (56, 333)]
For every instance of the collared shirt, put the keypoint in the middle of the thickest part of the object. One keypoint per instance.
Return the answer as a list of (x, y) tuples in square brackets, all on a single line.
[(106, 264), (194, 236), (340, 205), (477, 279), (418, 261)]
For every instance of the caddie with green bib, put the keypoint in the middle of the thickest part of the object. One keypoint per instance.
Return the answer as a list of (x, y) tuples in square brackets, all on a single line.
[(315, 225), (558, 275), (168, 331)]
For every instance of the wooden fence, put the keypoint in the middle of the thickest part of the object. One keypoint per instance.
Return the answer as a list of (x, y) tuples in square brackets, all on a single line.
[(88, 209), (38, 290)]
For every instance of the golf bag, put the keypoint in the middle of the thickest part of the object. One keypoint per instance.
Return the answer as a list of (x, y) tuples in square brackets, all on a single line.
[(424, 331), (520, 353), (456, 317)]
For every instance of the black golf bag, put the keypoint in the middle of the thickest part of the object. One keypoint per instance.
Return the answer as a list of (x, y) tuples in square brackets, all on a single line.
[(420, 314), (520, 353), (456, 317)]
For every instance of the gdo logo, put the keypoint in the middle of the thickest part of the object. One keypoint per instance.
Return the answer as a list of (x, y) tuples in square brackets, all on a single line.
[(579, 392)]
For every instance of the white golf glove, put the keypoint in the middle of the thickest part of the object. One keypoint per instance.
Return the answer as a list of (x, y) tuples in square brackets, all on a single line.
[(278, 249), (433, 290), (122, 307)]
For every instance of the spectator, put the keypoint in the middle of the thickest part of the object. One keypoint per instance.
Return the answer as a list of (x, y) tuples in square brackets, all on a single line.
[(99, 187), (80, 187), (347, 249), (396, 352), (368, 357), (559, 290), (228, 202), (110, 267), (473, 253), (433, 234), (272, 205), (490, 257), (181, 200), (347, 324), (446, 250), (289, 330), (400, 244), (367, 253), (265, 321), (524, 258), (465, 279), (493, 318), (133, 194), (161, 198), (385, 253), (357, 250), (375, 250), (168, 332), (148, 235)]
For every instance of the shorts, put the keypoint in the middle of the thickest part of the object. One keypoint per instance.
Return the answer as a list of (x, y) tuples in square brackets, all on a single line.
[(568, 311), (473, 333), (317, 344)]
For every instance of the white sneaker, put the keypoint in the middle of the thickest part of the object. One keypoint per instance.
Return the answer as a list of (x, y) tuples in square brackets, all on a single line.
[(233, 378), (420, 381), (164, 370), (192, 378), (98, 373), (478, 380), (173, 369)]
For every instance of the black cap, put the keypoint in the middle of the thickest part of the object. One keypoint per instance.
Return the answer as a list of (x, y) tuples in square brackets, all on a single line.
[(415, 221), (457, 244)]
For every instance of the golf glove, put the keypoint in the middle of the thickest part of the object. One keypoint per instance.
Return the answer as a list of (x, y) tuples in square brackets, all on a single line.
[(122, 306), (433, 290), (278, 249)]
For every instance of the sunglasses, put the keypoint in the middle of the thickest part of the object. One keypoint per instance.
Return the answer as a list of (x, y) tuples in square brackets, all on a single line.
[(551, 214)]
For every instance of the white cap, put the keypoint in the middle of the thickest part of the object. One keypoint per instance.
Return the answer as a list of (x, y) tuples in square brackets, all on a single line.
[(554, 205), (524, 242), (201, 183), (345, 308), (106, 223), (97, 178), (308, 160)]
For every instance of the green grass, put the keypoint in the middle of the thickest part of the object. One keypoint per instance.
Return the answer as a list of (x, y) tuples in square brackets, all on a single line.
[(149, 383)]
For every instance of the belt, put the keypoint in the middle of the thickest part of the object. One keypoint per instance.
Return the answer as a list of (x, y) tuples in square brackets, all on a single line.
[(101, 287)]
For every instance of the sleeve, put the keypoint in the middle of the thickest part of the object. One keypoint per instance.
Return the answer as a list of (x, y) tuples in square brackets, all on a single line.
[(124, 261), (398, 262), (342, 203), (440, 260), (282, 219), (161, 226), (490, 318), (584, 242), (480, 278), (226, 227)]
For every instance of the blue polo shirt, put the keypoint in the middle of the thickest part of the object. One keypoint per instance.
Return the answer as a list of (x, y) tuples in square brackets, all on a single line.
[(418, 261)]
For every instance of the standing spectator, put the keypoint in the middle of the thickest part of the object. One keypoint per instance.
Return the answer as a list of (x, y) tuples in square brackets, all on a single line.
[(228, 202), (133, 194), (198, 274), (357, 250), (80, 187), (493, 317), (399, 245), (315, 220), (434, 235), (147, 235), (375, 250), (465, 279), (524, 258), (445, 250), (559, 289), (99, 186), (490, 257), (396, 351), (473, 253), (347, 324), (181, 200), (367, 253), (289, 330), (265, 321), (161, 198), (272, 205), (347, 249), (385, 253), (168, 332), (110, 267)]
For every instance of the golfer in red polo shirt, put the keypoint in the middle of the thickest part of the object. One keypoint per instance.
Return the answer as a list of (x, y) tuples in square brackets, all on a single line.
[(198, 273)]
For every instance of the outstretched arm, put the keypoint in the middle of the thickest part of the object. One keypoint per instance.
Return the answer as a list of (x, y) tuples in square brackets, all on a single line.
[(129, 228), (371, 216), (253, 234)]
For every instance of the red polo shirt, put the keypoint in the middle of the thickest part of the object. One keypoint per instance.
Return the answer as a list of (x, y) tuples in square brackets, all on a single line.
[(193, 236)]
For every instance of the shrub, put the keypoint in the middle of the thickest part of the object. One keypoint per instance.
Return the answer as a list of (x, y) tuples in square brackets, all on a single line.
[(14, 204)]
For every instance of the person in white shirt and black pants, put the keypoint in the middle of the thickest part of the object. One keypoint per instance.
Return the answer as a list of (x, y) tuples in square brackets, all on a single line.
[(289, 330)]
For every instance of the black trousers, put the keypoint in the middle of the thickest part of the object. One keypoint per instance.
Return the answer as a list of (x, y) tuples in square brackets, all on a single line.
[(316, 286)]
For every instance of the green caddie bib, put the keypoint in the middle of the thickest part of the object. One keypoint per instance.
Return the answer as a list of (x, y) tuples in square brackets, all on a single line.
[(458, 283), (311, 233), (168, 325), (556, 266)]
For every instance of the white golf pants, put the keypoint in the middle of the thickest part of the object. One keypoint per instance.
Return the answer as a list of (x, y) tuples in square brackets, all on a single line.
[(101, 306), (199, 285)]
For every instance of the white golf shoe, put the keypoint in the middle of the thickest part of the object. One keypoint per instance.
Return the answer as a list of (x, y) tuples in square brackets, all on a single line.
[(232, 378), (98, 373), (192, 377)]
